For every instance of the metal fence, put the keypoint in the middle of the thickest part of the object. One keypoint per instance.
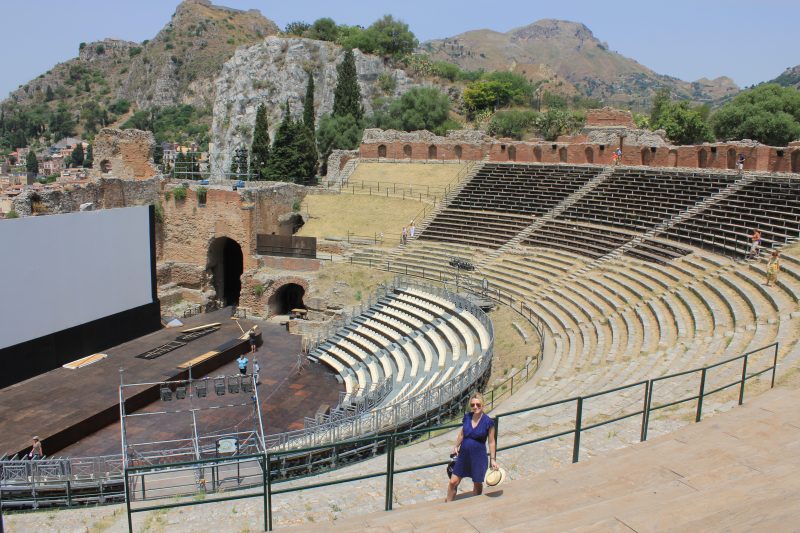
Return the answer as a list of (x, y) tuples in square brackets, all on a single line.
[(640, 395)]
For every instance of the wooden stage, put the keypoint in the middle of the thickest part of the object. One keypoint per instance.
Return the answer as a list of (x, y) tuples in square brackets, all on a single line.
[(76, 412)]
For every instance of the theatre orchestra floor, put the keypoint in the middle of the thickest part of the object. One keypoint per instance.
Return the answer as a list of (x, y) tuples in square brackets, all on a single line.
[(64, 401)]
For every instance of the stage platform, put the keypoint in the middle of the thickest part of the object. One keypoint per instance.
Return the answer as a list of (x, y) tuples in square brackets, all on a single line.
[(76, 412)]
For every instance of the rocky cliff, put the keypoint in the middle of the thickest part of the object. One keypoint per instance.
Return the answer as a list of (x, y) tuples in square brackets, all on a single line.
[(276, 71)]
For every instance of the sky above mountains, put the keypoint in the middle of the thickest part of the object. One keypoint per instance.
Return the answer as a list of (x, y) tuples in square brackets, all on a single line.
[(748, 40)]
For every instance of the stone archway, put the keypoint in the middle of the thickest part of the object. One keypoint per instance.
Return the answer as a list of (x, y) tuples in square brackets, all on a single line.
[(672, 158), (702, 158), (512, 153), (407, 150), (226, 264), (731, 162), (432, 152), (796, 161), (646, 156), (382, 150), (459, 151), (589, 154), (285, 295), (537, 154), (562, 154)]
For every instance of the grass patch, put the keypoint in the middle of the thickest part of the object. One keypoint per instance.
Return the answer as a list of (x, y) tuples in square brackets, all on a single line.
[(366, 216), (360, 281), (407, 173)]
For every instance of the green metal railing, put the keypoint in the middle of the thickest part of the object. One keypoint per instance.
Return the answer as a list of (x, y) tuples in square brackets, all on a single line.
[(389, 443)]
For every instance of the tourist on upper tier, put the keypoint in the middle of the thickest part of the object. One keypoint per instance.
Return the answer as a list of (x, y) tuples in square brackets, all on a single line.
[(251, 335), (773, 267), (242, 364), (403, 236), (755, 246), (618, 153), (36, 450), (740, 163), (476, 429), (411, 230)]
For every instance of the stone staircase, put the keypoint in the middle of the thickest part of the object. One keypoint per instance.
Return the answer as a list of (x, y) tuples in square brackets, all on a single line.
[(552, 214)]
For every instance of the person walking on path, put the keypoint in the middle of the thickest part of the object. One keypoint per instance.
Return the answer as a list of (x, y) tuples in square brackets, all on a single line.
[(36, 450), (618, 155), (251, 336), (411, 230), (242, 361), (476, 429), (403, 236), (740, 164), (773, 267)]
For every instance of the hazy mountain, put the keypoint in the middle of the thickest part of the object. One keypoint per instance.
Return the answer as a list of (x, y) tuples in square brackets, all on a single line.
[(569, 57), (789, 78)]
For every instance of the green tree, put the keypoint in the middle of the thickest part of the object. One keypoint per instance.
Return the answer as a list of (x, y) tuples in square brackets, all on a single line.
[(486, 94), (768, 113), (512, 123), (555, 122), (77, 156), (347, 95), (519, 88), (323, 29), (337, 132), (293, 157), (259, 150), (421, 108), (31, 163), (308, 104), (661, 99), (297, 28), (62, 123), (88, 161), (392, 37), (682, 123)]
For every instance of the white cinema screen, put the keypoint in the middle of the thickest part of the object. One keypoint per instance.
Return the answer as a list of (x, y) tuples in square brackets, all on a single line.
[(62, 271)]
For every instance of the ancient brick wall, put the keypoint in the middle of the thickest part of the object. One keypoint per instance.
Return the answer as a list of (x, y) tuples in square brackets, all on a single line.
[(126, 154), (608, 116)]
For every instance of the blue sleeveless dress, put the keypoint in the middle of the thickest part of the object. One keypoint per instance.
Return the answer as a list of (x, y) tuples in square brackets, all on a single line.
[(472, 460)]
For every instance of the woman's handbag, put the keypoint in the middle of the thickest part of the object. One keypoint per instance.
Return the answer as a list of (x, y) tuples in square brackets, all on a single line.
[(451, 464)]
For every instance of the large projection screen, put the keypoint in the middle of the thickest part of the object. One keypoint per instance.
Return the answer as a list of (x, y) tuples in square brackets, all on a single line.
[(61, 271)]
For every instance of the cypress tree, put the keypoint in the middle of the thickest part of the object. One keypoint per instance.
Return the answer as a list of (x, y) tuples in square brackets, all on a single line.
[(282, 162), (88, 161), (308, 104), (260, 148), (77, 156), (32, 164), (347, 96)]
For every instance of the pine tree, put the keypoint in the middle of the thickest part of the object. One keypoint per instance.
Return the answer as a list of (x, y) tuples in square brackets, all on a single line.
[(347, 96), (280, 166), (260, 148), (308, 104), (88, 161), (32, 164), (77, 157)]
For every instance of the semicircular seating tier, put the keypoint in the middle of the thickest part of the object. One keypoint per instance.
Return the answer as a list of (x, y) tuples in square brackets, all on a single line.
[(412, 338), (634, 272)]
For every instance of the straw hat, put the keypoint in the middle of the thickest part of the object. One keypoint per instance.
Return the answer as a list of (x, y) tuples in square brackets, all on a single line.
[(495, 478)]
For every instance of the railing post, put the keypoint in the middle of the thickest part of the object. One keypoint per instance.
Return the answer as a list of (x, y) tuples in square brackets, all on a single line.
[(389, 472), (267, 489), (646, 415), (700, 394), (744, 379), (128, 501), (774, 366), (644, 409), (576, 445)]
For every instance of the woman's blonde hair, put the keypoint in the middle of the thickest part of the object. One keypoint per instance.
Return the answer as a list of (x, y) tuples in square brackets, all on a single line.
[(479, 396)]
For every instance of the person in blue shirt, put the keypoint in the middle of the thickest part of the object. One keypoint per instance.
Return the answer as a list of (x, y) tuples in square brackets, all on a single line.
[(242, 364)]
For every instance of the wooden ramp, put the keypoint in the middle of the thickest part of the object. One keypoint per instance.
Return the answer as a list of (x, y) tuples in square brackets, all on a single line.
[(738, 471)]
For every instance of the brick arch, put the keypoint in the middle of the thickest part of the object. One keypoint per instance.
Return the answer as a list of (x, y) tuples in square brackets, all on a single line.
[(275, 290), (407, 150), (382, 150)]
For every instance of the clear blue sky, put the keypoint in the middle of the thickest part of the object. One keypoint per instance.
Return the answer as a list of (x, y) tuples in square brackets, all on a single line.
[(748, 40)]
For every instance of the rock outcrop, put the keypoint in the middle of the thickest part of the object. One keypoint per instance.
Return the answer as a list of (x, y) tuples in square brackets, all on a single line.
[(274, 72)]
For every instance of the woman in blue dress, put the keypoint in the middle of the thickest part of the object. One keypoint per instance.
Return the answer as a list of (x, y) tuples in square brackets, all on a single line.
[(477, 428)]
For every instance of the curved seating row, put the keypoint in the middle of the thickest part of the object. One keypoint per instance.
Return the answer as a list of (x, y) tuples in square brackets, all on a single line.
[(415, 339)]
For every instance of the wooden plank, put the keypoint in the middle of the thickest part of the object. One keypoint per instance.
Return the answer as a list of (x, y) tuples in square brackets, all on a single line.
[(198, 359), (204, 326), (85, 361)]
